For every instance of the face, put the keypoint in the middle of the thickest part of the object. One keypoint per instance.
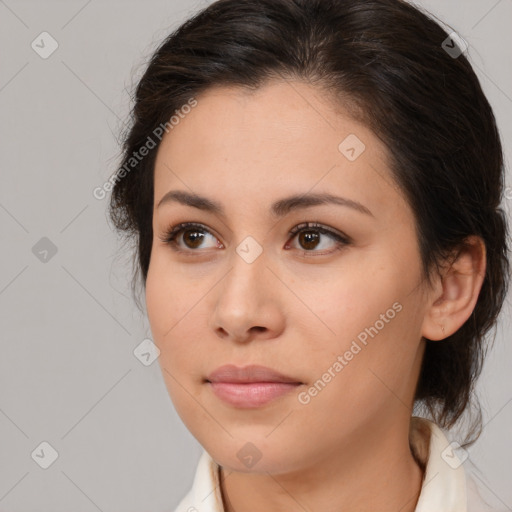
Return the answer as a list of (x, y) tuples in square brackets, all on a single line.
[(327, 293)]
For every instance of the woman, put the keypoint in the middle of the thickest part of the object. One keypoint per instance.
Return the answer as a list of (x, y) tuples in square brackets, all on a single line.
[(315, 201)]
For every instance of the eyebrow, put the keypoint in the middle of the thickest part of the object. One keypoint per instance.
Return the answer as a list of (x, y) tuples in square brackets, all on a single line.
[(278, 209)]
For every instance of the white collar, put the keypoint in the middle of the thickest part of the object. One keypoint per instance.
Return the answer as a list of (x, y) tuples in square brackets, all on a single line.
[(443, 488), (444, 482)]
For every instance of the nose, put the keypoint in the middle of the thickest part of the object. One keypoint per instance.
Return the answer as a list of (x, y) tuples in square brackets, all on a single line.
[(247, 304)]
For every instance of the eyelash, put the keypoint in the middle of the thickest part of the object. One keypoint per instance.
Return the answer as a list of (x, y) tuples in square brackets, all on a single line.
[(173, 232)]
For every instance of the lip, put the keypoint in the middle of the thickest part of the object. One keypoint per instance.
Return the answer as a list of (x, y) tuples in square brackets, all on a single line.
[(249, 374), (250, 386)]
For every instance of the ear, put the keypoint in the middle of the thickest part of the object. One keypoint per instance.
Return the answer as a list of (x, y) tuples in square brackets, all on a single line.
[(455, 293)]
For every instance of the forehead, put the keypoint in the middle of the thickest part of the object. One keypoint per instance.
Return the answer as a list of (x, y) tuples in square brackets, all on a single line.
[(281, 139)]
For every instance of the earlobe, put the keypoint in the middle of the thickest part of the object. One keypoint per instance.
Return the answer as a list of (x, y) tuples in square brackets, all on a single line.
[(456, 291)]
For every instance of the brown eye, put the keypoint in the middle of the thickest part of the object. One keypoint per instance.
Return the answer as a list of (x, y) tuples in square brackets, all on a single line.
[(310, 236), (192, 237), (308, 239)]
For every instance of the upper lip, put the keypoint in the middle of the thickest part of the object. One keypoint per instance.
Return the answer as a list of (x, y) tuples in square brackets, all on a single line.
[(251, 373)]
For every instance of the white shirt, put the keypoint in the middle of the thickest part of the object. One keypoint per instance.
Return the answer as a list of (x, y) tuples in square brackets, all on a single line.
[(446, 487)]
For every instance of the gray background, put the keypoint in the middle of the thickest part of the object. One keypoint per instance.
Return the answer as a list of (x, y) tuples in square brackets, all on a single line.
[(68, 375)]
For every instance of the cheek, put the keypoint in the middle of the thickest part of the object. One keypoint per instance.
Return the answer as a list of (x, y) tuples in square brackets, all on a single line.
[(166, 309), (167, 294), (370, 315), (344, 302), (172, 308)]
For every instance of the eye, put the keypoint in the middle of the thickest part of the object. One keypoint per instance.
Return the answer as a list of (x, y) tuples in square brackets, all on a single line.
[(310, 235), (192, 234)]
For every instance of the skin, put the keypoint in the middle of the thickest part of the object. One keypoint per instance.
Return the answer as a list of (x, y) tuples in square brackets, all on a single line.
[(297, 307)]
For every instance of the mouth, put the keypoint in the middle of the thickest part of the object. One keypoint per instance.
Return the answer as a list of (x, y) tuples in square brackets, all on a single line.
[(251, 386), (249, 374)]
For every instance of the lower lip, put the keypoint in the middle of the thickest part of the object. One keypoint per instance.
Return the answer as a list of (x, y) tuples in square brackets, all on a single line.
[(250, 395)]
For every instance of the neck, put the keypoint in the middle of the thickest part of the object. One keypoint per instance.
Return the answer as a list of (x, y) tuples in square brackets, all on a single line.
[(377, 471)]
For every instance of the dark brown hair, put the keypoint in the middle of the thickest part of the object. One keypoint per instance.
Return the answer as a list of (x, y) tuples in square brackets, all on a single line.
[(384, 62)]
